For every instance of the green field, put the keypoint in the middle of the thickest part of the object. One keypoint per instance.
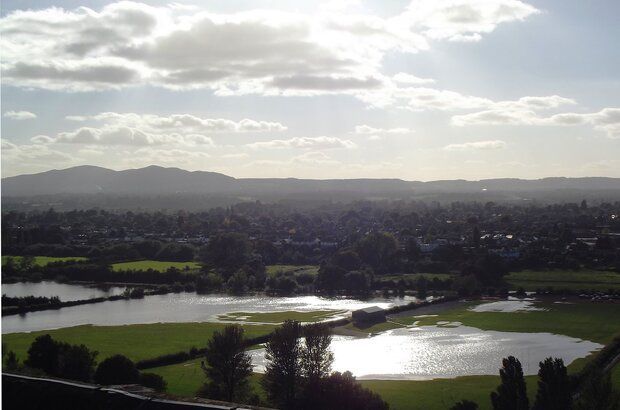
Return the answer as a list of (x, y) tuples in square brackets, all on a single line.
[(279, 317), (565, 279), (137, 342), (44, 260), (293, 269), (160, 266), (597, 322), (184, 379), (440, 394), (415, 276)]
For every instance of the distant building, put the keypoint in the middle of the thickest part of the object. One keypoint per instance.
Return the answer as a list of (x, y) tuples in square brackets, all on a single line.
[(372, 314)]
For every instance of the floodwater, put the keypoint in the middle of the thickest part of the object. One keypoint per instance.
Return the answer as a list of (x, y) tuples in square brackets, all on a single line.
[(429, 352), (180, 307), (507, 306), (66, 292)]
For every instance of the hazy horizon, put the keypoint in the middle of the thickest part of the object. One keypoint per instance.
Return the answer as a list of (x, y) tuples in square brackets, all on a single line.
[(417, 90), (290, 177)]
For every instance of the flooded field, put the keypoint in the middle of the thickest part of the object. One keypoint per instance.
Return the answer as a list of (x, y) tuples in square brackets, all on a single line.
[(430, 352)]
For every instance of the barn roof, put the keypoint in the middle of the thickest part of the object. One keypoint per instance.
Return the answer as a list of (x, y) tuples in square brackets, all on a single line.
[(370, 309)]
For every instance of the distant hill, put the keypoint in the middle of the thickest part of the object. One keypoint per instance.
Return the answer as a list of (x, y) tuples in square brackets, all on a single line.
[(89, 180), (95, 185)]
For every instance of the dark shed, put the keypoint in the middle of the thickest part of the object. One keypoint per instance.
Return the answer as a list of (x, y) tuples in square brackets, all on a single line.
[(372, 314)]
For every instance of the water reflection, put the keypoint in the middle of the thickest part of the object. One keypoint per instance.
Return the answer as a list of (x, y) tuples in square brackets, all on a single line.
[(182, 307), (506, 306), (429, 352), (64, 291)]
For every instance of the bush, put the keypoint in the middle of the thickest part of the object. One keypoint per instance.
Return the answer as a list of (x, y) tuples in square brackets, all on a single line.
[(154, 381), (75, 362), (117, 369)]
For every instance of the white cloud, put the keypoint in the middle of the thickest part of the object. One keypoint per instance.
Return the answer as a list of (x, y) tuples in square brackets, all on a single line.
[(32, 154), (606, 120), (180, 123), (307, 159), (114, 129), (121, 135), (258, 51), (405, 78), (237, 155), (421, 98), (322, 142), (464, 20), (476, 145), (367, 129), (20, 115)]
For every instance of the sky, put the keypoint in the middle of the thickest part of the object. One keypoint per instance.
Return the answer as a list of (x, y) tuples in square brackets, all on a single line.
[(417, 89)]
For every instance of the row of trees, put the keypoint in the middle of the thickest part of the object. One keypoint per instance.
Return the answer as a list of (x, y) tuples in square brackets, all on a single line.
[(77, 362), (297, 372)]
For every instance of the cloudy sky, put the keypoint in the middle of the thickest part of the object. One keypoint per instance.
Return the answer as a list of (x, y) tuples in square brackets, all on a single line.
[(417, 89)]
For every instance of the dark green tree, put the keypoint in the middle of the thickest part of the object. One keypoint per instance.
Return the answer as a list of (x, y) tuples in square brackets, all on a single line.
[(378, 250), (148, 249), (61, 359), (511, 394), (77, 362), (227, 365), (347, 259), (117, 369), (554, 392), (340, 391), (11, 362), (283, 370), (227, 251), (154, 381), (316, 356), (597, 392), (43, 354)]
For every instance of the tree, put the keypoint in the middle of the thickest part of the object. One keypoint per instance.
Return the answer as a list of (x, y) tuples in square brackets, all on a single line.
[(283, 369), (148, 249), (117, 369), (154, 381), (315, 363), (77, 362), (598, 393), (340, 391), (554, 392), (238, 283), (358, 282), (465, 405), (378, 250), (316, 357), (511, 393), (227, 365), (475, 237), (26, 262), (43, 354), (347, 259), (422, 287), (176, 252), (228, 251), (11, 362), (61, 359), (330, 277)]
